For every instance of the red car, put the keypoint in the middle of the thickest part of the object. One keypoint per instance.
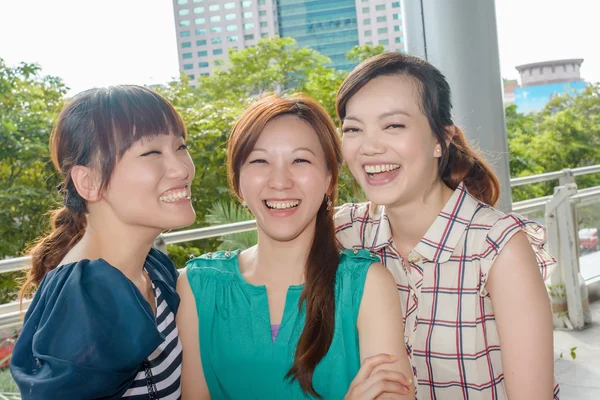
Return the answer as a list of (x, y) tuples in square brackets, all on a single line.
[(588, 239)]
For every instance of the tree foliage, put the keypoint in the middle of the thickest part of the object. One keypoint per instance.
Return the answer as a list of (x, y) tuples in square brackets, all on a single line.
[(566, 134)]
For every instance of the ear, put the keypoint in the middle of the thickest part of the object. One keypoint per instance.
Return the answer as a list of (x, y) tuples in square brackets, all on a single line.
[(329, 185), (449, 134), (86, 182), (450, 131)]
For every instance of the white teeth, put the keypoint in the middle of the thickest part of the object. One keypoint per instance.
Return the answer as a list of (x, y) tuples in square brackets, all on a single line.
[(282, 205), (375, 169), (174, 195)]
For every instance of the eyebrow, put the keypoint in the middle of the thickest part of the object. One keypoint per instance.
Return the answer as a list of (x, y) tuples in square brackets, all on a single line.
[(293, 151), (384, 115)]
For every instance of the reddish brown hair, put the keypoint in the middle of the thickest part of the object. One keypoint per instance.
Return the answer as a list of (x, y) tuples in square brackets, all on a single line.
[(94, 129), (459, 162), (323, 257)]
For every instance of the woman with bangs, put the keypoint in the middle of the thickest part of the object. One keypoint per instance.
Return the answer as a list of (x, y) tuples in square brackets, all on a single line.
[(478, 322), (101, 324), (292, 317)]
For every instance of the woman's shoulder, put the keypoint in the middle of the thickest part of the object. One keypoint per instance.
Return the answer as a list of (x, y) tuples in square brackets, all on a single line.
[(355, 264), (222, 262), (358, 223)]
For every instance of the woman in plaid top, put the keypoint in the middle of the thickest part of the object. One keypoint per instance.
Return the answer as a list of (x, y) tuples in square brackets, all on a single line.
[(471, 331)]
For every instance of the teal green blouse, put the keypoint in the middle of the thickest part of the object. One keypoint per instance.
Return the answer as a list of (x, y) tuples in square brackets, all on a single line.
[(240, 359)]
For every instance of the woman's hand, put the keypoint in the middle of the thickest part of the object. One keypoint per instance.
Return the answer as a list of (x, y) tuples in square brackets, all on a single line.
[(381, 384)]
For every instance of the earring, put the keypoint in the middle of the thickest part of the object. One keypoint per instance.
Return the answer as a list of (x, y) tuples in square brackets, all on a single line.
[(329, 203), (244, 204)]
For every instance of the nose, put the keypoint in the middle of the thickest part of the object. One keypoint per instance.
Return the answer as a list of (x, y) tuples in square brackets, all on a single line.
[(280, 178), (179, 166), (371, 145)]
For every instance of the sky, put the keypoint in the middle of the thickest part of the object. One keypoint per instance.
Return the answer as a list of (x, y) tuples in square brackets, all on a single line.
[(91, 43)]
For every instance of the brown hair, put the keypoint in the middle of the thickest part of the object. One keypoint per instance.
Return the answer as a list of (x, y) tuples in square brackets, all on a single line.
[(323, 257), (459, 162), (94, 129)]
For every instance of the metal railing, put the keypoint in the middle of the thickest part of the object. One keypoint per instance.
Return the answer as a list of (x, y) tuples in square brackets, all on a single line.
[(10, 314)]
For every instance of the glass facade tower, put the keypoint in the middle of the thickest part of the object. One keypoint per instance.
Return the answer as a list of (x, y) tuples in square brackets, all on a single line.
[(330, 27)]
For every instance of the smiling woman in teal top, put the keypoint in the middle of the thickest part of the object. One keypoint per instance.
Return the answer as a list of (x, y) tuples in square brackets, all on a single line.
[(292, 317)]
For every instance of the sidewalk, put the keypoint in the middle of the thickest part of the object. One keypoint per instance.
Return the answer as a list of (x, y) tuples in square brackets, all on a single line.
[(579, 379)]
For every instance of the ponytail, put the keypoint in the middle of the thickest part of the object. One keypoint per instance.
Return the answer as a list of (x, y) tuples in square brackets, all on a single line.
[(319, 296), (68, 227), (461, 163)]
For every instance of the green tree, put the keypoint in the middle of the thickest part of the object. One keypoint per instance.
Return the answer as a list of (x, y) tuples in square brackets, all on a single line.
[(273, 65), (29, 103), (359, 54)]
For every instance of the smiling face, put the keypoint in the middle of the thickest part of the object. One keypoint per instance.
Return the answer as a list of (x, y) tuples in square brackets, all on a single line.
[(285, 178), (388, 143), (150, 184)]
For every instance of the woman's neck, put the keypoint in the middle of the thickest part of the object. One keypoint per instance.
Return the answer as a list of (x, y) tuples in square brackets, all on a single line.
[(122, 246), (277, 262), (411, 221)]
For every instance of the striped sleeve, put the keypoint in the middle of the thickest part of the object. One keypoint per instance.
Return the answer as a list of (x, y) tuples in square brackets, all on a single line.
[(501, 232), (350, 226)]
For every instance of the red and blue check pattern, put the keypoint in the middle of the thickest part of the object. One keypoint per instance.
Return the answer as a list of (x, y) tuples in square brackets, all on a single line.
[(450, 329)]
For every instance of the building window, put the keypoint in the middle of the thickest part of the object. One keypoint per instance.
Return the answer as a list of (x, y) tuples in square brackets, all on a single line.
[(198, 10), (183, 12), (396, 4), (215, 18), (232, 39), (214, 7), (368, 33), (249, 25), (216, 29), (200, 21), (201, 42), (218, 62), (200, 32), (248, 37), (192, 77), (369, 43), (184, 22), (264, 34), (247, 14), (188, 66), (382, 30), (263, 24), (396, 28), (384, 42), (367, 21), (187, 56), (262, 13), (203, 64), (230, 17), (380, 7), (231, 28), (216, 40), (382, 19), (246, 3), (396, 16), (184, 33), (365, 10), (261, 2), (229, 6), (182, 2), (185, 45), (399, 39), (202, 53), (197, 1), (217, 52)]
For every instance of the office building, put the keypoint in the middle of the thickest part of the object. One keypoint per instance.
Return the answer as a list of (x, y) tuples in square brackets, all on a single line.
[(207, 29)]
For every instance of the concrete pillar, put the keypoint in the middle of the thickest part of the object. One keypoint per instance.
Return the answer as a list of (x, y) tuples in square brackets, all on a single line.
[(459, 37)]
